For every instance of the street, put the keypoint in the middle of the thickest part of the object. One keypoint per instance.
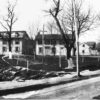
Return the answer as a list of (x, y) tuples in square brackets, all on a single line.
[(82, 90)]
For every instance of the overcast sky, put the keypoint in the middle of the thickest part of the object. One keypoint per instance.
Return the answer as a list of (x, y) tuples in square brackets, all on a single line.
[(31, 11)]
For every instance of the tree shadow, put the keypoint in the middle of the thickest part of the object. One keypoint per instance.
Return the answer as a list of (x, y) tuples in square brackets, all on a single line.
[(97, 97)]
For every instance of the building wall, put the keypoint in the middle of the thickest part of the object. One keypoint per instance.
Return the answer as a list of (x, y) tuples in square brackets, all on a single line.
[(16, 48), (84, 49), (59, 49), (47, 50), (28, 47), (21, 43)]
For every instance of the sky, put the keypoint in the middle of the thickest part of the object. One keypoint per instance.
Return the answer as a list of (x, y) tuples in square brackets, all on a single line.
[(31, 13)]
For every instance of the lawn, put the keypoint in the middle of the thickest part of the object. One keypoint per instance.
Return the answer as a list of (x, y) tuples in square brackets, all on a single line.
[(51, 63)]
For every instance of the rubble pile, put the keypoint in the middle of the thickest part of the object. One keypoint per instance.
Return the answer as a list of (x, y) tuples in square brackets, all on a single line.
[(19, 73)]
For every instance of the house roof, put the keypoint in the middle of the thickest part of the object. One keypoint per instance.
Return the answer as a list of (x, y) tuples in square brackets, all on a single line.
[(91, 44), (88, 43), (51, 36), (15, 34)]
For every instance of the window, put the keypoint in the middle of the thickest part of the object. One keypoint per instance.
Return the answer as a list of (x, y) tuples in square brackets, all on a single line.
[(39, 41), (83, 45), (61, 47), (4, 49), (53, 50), (17, 49), (47, 50), (4, 42), (53, 42), (40, 50), (83, 51), (47, 47), (61, 42), (47, 41), (17, 42)]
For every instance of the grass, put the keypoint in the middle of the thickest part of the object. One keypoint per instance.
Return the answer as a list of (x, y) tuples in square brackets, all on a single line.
[(51, 63)]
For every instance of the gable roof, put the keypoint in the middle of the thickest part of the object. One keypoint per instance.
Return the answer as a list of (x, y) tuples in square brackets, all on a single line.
[(14, 34), (90, 44), (51, 36)]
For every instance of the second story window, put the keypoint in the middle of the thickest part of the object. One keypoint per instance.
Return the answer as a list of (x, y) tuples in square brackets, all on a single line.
[(39, 41), (4, 42), (83, 45), (17, 42)]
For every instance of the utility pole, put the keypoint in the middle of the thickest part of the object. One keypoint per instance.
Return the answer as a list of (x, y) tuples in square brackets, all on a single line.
[(43, 49), (43, 45), (60, 58), (77, 40)]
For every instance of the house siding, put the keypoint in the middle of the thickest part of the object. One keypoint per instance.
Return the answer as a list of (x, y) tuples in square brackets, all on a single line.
[(20, 44), (88, 50), (51, 41)]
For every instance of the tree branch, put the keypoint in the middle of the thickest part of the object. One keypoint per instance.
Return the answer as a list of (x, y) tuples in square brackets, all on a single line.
[(3, 26)]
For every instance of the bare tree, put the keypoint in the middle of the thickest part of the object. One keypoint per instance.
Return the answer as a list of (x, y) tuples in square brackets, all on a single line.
[(85, 21), (52, 27), (33, 30), (8, 22)]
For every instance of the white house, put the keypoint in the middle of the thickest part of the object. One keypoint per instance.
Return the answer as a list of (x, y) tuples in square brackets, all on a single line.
[(87, 48), (20, 43), (50, 44)]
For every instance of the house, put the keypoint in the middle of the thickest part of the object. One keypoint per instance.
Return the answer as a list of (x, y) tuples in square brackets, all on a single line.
[(87, 48), (50, 44), (20, 44), (53, 44), (98, 47)]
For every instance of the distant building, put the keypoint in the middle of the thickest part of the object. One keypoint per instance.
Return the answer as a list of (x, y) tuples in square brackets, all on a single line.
[(50, 44), (87, 48), (21, 43), (98, 47)]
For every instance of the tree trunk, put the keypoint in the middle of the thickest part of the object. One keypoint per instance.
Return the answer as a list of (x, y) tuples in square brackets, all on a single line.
[(69, 59), (74, 51), (9, 44), (10, 49)]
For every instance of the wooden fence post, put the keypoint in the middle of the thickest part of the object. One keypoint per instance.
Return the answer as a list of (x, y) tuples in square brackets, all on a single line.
[(27, 65), (17, 59)]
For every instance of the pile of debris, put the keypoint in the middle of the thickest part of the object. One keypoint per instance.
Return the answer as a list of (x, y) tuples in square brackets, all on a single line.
[(19, 73)]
